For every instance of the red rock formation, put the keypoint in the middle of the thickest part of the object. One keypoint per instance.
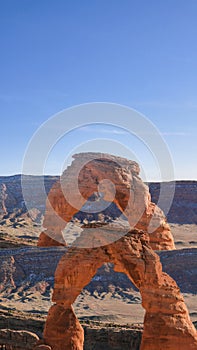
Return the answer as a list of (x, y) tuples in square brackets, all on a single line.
[(166, 324), (63, 330), (88, 174)]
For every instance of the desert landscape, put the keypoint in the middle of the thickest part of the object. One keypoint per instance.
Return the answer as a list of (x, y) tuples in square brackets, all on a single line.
[(109, 307), (98, 175)]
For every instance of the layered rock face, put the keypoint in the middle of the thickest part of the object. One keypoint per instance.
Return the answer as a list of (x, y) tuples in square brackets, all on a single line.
[(184, 206), (166, 324), (117, 180)]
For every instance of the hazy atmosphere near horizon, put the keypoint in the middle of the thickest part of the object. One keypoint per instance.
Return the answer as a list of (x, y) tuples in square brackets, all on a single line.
[(58, 54)]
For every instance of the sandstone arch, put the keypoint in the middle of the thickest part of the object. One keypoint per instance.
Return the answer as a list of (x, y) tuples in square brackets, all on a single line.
[(132, 196), (166, 324)]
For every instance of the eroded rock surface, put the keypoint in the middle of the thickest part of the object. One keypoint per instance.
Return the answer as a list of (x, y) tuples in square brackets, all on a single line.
[(166, 324), (89, 173)]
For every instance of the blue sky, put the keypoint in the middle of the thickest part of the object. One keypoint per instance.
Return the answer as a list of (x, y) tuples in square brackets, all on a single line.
[(57, 54)]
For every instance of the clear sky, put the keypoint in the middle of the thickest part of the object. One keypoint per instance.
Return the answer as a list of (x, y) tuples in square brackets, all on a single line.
[(59, 53)]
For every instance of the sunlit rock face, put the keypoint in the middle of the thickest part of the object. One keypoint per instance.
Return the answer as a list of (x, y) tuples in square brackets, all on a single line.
[(102, 187)]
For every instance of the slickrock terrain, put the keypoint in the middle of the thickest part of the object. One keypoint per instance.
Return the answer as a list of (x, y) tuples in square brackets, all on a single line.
[(86, 176)]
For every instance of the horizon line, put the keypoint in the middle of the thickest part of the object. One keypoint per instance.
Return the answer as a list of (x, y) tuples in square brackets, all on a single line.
[(58, 175)]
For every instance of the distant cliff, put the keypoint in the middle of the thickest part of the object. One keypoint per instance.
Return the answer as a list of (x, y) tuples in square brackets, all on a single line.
[(182, 211), (32, 186), (184, 205)]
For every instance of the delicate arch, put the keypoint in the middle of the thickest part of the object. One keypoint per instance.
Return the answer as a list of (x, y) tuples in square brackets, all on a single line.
[(167, 324)]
